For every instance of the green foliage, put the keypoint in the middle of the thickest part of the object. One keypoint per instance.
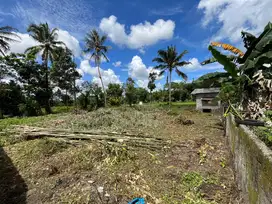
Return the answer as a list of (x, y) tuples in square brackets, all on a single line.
[(7, 122), (7, 35), (10, 97), (91, 97), (47, 46), (269, 114), (142, 95), (115, 101), (114, 94), (191, 181), (229, 66), (212, 80), (169, 60), (63, 72), (151, 81), (94, 43), (130, 92), (30, 108), (265, 134)]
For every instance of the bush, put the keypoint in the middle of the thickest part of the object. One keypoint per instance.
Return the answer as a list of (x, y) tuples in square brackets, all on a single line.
[(268, 114), (265, 134), (30, 108), (114, 101)]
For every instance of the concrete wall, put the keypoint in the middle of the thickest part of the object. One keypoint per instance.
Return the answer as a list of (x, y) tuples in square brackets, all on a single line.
[(252, 161), (199, 101)]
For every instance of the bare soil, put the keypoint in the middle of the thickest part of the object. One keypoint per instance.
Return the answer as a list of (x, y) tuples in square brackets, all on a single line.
[(194, 166)]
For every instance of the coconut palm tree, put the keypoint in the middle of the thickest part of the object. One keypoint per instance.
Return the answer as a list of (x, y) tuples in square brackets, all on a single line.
[(169, 60), (95, 44), (7, 35), (48, 44)]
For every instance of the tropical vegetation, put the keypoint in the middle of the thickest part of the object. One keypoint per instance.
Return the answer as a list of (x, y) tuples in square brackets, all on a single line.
[(169, 60)]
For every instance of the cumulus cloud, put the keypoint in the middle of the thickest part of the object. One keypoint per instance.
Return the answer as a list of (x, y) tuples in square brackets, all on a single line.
[(22, 44), (108, 76), (141, 35), (235, 16), (139, 71), (26, 41), (70, 41), (196, 66), (117, 64)]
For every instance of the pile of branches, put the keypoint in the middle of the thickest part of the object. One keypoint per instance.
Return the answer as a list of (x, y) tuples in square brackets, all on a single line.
[(119, 139)]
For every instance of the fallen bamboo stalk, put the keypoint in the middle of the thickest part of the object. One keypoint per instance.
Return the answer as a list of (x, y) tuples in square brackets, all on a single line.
[(37, 129)]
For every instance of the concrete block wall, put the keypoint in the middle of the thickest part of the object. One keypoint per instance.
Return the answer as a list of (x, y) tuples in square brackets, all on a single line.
[(252, 161)]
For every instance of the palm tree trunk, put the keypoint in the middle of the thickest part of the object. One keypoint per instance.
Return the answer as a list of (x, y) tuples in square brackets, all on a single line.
[(103, 87), (66, 101), (169, 87), (47, 103), (74, 92)]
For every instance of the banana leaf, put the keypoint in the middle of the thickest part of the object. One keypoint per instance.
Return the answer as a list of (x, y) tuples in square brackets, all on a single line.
[(229, 66)]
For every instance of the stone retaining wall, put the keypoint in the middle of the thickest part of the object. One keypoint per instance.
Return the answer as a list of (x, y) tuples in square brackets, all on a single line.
[(252, 161)]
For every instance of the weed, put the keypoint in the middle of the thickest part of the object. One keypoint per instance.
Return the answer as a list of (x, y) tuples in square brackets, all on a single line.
[(192, 181), (223, 162)]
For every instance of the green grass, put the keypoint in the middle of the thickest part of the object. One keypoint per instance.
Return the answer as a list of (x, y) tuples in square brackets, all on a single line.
[(62, 109), (187, 103), (5, 123)]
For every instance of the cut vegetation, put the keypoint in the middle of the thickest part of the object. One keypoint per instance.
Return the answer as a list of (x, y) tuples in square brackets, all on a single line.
[(114, 155)]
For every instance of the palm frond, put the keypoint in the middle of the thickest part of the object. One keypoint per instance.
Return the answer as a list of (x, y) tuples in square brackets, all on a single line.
[(158, 59), (181, 74), (161, 66), (105, 57), (161, 73), (181, 55), (183, 63), (34, 50)]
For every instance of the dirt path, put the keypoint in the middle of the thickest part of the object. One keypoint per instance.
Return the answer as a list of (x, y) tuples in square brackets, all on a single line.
[(192, 168)]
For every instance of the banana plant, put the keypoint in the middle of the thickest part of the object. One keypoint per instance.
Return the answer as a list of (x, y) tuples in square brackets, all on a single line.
[(250, 71)]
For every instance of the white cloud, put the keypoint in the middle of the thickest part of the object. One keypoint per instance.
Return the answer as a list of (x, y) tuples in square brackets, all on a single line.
[(143, 34), (26, 41), (70, 41), (235, 16), (196, 66), (138, 71), (80, 71), (117, 64), (22, 44), (108, 76), (168, 11), (142, 50)]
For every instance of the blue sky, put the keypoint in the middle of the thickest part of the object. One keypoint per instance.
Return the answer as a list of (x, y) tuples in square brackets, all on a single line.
[(137, 29)]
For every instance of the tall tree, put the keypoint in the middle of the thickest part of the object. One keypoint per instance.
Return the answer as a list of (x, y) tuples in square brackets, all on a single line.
[(169, 60), (48, 43), (63, 72), (130, 91), (151, 83), (7, 35), (95, 44)]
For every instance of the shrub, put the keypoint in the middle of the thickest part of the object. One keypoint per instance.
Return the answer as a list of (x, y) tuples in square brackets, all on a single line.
[(114, 101), (30, 108)]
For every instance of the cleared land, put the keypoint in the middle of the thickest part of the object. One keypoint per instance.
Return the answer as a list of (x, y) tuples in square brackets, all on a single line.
[(186, 163)]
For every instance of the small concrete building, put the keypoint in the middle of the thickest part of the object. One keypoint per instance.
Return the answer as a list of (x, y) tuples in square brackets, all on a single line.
[(205, 99)]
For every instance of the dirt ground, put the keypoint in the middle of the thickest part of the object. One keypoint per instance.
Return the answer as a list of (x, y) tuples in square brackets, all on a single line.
[(192, 167)]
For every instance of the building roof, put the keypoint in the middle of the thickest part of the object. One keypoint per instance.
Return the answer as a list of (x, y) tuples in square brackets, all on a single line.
[(206, 90)]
